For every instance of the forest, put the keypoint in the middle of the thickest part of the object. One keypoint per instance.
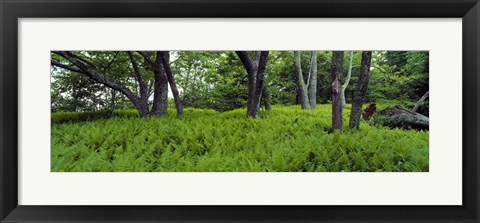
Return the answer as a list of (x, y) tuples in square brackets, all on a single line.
[(239, 111)]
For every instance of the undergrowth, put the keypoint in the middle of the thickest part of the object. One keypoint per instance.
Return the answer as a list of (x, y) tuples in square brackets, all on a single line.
[(287, 139)]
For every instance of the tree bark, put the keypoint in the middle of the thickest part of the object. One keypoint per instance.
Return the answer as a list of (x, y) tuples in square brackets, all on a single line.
[(255, 110), (160, 89), (360, 90), (112, 83), (302, 88), (255, 83), (143, 100), (347, 81), (165, 58), (337, 70), (419, 102), (312, 81), (247, 63), (266, 98), (160, 85), (113, 103), (396, 117)]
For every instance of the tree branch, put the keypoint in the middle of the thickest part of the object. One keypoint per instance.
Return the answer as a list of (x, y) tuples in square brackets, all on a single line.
[(84, 60), (64, 66), (138, 75), (247, 63), (111, 62)]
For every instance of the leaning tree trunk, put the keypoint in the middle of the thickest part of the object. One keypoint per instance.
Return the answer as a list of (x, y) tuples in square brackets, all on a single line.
[(347, 81), (266, 98), (360, 90), (81, 65), (302, 88), (312, 81), (337, 70), (419, 102), (396, 117), (165, 58)]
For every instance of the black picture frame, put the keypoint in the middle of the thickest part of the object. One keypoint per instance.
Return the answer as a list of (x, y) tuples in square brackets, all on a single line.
[(12, 10)]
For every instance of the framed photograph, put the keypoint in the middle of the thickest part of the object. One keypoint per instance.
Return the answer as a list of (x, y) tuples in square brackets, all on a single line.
[(228, 111)]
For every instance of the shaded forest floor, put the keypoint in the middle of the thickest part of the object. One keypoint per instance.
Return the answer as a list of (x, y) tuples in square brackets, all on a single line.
[(287, 139)]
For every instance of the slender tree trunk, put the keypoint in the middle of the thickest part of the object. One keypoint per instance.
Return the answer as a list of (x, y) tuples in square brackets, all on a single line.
[(419, 102), (165, 58), (142, 104), (112, 106), (150, 90), (255, 111), (194, 82), (312, 81), (302, 88), (255, 62), (345, 84), (187, 82), (360, 90), (337, 70)]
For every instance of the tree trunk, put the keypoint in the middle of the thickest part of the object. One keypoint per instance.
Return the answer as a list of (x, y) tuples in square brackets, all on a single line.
[(360, 90), (247, 63), (266, 98), (396, 117), (302, 88), (160, 85), (419, 102), (312, 81), (347, 81), (142, 104), (337, 70), (255, 84), (113, 102), (165, 58), (255, 111), (160, 91)]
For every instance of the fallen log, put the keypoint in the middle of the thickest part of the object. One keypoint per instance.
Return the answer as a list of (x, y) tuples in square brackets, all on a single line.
[(397, 117), (420, 102)]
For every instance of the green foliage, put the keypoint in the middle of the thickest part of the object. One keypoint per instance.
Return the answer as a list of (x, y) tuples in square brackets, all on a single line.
[(286, 139), (217, 79), (401, 75)]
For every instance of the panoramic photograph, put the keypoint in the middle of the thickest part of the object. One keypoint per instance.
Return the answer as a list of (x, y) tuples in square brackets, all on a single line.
[(239, 111)]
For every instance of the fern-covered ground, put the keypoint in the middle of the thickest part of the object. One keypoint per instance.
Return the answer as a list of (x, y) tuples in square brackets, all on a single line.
[(287, 139)]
